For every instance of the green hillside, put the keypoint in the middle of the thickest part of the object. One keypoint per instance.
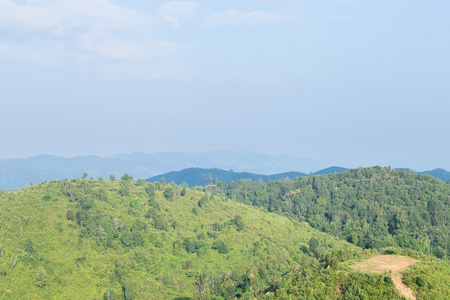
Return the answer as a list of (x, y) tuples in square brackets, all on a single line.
[(369, 207), (126, 239)]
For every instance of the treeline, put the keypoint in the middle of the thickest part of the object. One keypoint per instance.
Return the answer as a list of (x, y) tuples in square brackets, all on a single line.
[(369, 207)]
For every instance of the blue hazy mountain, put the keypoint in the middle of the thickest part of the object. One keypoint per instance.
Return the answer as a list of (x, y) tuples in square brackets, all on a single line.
[(198, 176), (16, 173), (438, 173), (330, 170)]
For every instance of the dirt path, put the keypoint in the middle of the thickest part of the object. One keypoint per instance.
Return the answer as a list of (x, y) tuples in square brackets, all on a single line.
[(393, 263), (402, 288)]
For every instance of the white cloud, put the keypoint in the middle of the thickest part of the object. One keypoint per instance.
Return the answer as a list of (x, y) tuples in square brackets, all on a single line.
[(57, 17), (178, 12), (88, 34), (237, 18)]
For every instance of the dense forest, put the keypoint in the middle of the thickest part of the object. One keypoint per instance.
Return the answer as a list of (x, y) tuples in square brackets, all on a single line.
[(369, 207), (127, 239)]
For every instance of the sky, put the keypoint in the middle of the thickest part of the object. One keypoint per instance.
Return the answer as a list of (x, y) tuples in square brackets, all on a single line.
[(344, 82)]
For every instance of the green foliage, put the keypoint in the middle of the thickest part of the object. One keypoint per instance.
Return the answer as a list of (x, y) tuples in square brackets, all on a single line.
[(203, 201), (46, 197), (313, 244), (138, 225), (41, 277), (126, 177), (169, 193), (429, 278), (141, 182), (220, 245), (124, 191), (370, 207), (132, 239), (238, 222), (129, 290), (109, 295), (161, 249), (150, 189)]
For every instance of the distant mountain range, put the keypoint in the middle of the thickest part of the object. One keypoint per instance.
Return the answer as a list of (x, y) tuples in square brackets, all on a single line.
[(17, 173), (198, 176)]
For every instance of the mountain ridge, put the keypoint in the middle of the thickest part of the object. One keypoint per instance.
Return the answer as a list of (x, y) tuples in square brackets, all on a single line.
[(18, 172)]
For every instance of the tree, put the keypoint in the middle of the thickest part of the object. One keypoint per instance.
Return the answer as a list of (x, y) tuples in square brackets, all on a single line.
[(101, 234), (112, 177), (126, 177), (85, 175), (150, 190), (129, 290), (70, 215), (109, 295), (208, 178), (13, 263), (221, 246), (354, 239), (140, 182), (239, 223), (202, 282), (169, 193), (313, 244), (41, 277)]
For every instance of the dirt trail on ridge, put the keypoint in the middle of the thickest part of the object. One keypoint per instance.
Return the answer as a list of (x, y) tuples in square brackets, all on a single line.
[(393, 263)]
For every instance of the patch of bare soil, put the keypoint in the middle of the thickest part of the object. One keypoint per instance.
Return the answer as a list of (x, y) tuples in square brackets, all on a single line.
[(384, 263), (393, 263), (403, 288)]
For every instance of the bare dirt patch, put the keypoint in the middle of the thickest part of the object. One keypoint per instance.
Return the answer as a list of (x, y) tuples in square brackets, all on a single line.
[(393, 263), (384, 263), (403, 288)]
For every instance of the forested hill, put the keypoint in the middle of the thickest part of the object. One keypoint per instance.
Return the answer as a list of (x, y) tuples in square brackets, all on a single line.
[(199, 176), (126, 239), (370, 207)]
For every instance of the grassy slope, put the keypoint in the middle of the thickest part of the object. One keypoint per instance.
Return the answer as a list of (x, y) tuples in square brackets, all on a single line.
[(78, 266)]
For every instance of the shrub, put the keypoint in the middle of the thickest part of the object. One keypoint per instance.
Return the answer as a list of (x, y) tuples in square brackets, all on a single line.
[(41, 277)]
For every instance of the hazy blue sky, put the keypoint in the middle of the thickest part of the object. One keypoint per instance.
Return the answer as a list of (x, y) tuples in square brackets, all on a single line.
[(346, 82)]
